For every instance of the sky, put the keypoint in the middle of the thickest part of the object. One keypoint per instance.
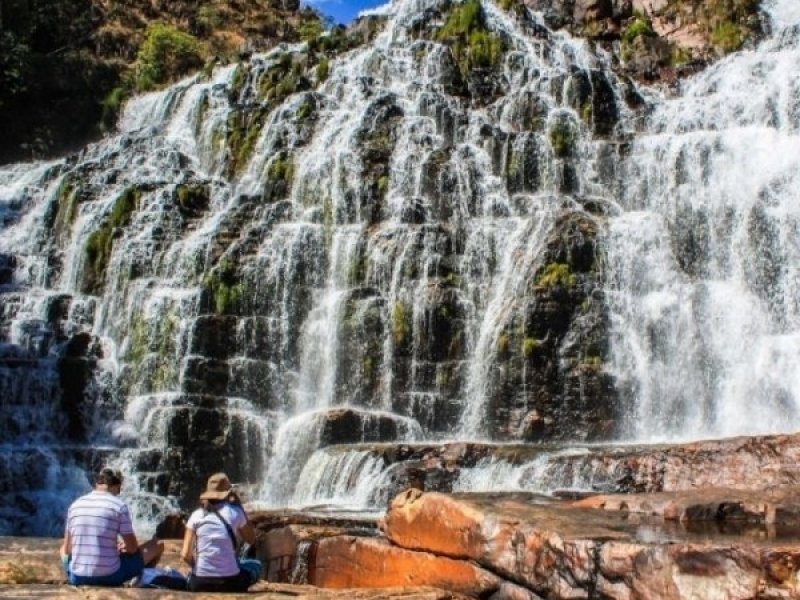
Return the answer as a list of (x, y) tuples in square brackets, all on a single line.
[(343, 11)]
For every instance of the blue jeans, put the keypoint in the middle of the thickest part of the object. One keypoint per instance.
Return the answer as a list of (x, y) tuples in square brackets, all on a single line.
[(252, 566), (130, 566)]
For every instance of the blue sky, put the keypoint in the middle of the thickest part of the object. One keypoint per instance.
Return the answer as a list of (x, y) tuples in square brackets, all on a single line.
[(343, 11)]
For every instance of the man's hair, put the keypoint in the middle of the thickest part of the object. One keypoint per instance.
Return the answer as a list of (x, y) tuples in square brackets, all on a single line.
[(109, 477)]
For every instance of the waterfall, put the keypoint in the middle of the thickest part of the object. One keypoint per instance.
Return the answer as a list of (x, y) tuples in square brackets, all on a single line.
[(703, 261), (262, 265)]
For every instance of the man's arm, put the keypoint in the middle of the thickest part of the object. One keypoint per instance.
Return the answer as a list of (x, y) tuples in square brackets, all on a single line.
[(66, 545), (129, 543)]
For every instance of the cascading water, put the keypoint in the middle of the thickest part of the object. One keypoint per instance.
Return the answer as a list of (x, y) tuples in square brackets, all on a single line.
[(704, 261), (405, 251)]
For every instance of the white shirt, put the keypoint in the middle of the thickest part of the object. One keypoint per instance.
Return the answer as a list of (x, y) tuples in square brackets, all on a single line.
[(215, 555), (94, 521)]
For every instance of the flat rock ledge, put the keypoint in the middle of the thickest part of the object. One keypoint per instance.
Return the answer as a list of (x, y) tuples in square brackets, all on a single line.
[(704, 544), (30, 568)]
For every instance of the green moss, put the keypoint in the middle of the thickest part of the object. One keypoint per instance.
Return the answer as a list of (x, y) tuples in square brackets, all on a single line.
[(111, 105), (586, 112), (513, 165), (192, 197), (679, 56), (472, 45), (367, 366), (67, 198), (238, 81), (556, 274), (383, 184), (305, 111), (401, 323), (727, 37), (502, 343), (640, 26), (453, 279), (224, 288), (242, 131), (357, 269), (311, 28), (165, 54), (529, 346), (562, 136), (281, 168), (100, 243), (323, 69)]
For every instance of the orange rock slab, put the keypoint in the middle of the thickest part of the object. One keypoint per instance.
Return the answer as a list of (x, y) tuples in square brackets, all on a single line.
[(355, 562)]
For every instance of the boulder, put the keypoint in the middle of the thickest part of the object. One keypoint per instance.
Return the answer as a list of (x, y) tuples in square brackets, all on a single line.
[(354, 562)]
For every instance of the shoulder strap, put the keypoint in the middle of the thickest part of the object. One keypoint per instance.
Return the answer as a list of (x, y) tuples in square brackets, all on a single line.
[(228, 528)]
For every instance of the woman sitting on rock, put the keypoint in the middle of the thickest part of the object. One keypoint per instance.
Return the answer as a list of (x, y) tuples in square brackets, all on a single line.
[(211, 540)]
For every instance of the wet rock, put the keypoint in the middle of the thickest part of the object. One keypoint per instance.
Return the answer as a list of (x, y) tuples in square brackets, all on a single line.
[(347, 425)]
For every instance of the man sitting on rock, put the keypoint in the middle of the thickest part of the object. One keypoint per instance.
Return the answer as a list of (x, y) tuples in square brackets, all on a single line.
[(92, 552)]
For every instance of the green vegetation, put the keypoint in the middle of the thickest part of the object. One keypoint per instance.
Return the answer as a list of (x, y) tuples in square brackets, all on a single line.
[(67, 199), (283, 78), (310, 28), (101, 242), (238, 81), (453, 279), (165, 54), (192, 197), (472, 44), (502, 344), (224, 288), (556, 274), (281, 168), (112, 104), (640, 26), (586, 112), (727, 37), (242, 131), (679, 56), (401, 323), (357, 269), (562, 136), (323, 69), (529, 346), (305, 111)]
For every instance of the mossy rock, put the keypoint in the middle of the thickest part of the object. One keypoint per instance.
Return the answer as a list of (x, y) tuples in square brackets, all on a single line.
[(225, 288), (192, 198), (556, 274), (100, 243), (563, 135)]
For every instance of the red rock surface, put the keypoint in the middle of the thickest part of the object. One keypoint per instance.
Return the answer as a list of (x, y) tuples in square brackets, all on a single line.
[(353, 562), (562, 551)]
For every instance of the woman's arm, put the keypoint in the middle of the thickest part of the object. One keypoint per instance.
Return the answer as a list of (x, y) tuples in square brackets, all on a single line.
[(187, 553), (66, 545), (247, 533)]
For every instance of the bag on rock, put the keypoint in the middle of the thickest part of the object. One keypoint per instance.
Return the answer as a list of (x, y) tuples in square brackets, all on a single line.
[(163, 578)]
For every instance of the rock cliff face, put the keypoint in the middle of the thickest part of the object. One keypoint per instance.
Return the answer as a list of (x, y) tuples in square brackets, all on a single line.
[(659, 39)]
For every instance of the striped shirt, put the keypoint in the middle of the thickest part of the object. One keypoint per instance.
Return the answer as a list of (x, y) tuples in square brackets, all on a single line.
[(93, 523)]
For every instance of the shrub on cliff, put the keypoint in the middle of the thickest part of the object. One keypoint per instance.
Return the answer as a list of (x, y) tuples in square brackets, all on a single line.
[(166, 54)]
